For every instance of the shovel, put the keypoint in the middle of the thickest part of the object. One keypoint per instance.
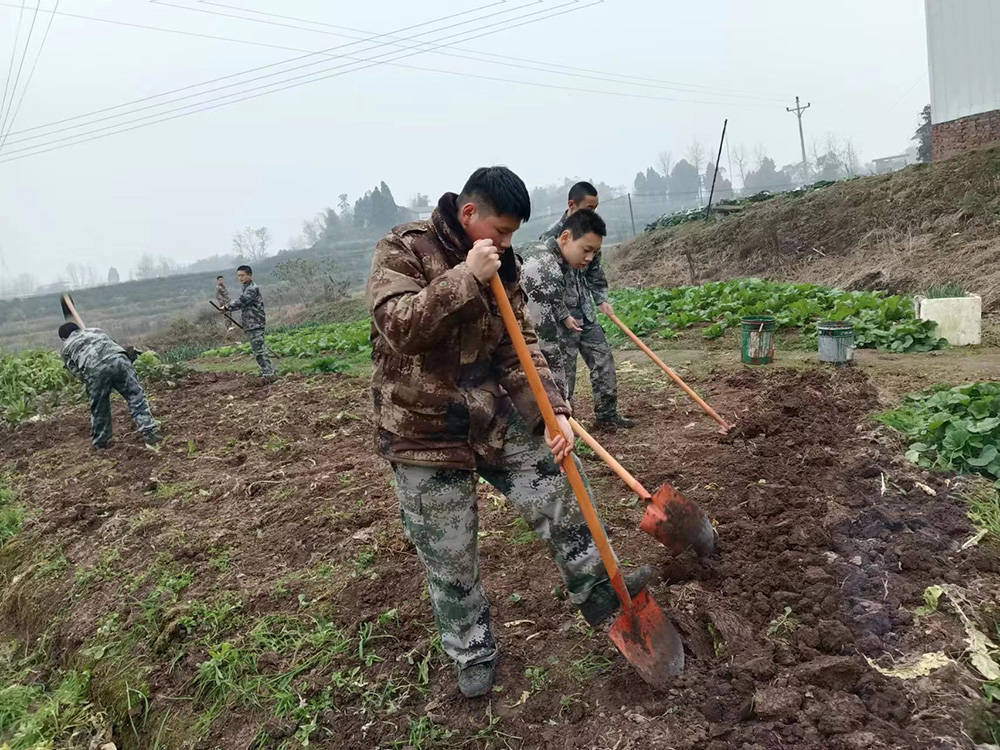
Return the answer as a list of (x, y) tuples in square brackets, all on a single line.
[(225, 315), (724, 426), (675, 522), (70, 315), (642, 632)]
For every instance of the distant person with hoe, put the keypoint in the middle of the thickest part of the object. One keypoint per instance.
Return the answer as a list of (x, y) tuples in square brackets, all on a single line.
[(584, 334), (451, 402), (93, 357), (222, 297), (250, 303)]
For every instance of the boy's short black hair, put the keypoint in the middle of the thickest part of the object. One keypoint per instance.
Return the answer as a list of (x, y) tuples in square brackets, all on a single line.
[(220, 277), (581, 190), (66, 329), (499, 190), (245, 269), (584, 222)]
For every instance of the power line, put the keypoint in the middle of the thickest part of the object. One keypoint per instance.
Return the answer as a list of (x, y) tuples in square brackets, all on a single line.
[(236, 75), (31, 75), (20, 66), (275, 87), (690, 88), (13, 54), (511, 62)]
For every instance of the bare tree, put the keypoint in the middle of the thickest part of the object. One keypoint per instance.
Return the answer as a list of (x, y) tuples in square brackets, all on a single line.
[(75, 273), (850, 158), (665, 161), (696, 155), (252, 244), (312, 230), (18, 286), (146, 268), (759, 154), (740, 157)]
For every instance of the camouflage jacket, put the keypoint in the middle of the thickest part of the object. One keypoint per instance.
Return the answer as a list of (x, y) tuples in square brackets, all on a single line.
[(221, 294), (86, 349), (591, 289), (445, 374), (251, 304), (544, 274)]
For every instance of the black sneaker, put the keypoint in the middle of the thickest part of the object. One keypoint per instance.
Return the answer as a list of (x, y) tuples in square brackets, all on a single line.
[(616, 422), (477, 679), (151, 438), (603, 601)]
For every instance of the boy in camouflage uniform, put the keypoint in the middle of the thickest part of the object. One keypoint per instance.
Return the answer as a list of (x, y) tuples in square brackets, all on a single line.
[(548, 276), (94, 358), (451, 401), (253, 318), (585, 288), (222, 298)]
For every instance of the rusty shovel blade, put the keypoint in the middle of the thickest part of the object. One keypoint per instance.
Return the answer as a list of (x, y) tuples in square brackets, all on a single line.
[(649, 641), (678, 523)]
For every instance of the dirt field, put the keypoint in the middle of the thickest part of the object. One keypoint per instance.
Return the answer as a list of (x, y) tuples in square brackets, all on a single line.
[(250, 581)]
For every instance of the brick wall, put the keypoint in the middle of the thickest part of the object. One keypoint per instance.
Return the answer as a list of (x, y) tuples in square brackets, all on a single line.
[(952, 138)]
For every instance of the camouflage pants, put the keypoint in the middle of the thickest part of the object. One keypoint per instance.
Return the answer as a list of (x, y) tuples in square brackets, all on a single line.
[(441, 518), (258, 345), (596, 351), (116, 374)]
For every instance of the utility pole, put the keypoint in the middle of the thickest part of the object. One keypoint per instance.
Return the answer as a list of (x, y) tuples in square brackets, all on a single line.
[(798, 110)]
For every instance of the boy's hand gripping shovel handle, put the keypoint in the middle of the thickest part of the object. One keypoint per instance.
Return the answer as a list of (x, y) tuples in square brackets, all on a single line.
[(569, 465)]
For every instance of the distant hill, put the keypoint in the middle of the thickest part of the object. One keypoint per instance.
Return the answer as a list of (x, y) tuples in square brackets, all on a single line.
[(926, 224)]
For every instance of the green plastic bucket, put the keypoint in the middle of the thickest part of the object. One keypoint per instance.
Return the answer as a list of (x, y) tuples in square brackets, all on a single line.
[(758, 339), (836, 342)]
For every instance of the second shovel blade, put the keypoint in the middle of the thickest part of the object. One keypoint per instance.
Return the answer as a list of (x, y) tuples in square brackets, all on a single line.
[(678, 523)]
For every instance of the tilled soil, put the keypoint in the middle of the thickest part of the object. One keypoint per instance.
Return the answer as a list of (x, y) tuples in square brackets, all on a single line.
[(268, 495)]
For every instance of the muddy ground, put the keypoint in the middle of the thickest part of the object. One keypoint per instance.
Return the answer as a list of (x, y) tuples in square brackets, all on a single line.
[(249, 580)]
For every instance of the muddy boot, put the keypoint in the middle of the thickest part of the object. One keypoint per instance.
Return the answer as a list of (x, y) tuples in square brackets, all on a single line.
[(615, 422), (151, 438), (603, 601), (477, 679)]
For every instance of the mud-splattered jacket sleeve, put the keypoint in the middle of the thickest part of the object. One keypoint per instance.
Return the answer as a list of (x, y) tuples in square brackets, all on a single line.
[(597, 282), (411, 313), (545, 285), (512, 377)]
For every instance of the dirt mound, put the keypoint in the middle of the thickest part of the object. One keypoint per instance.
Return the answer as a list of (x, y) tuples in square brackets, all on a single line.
[(924, 225), (266, 511)]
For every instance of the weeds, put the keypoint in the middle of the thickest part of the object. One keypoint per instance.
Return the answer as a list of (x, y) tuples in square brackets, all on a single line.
[(589, 666), (11, 513), (984, 507), (783, 625)]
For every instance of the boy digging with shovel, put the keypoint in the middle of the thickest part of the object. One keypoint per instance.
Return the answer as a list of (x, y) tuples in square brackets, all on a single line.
[(451, 401)]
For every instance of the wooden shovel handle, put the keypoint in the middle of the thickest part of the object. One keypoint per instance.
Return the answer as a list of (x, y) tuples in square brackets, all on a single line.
[(568, 464), (617, 468), (72, 310), (673, 375)]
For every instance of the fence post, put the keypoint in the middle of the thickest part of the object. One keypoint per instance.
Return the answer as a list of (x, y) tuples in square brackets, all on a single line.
[(631, 215)]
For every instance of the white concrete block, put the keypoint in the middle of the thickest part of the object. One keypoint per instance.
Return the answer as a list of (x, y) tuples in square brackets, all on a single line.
[(959, 319)]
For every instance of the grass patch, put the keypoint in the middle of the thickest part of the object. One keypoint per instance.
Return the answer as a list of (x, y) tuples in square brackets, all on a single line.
[(11, 512), (589, 666), (984, 507), (941, 291), (37, 712)]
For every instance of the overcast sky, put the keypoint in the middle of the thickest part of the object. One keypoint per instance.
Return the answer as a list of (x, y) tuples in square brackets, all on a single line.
[(181, 188)]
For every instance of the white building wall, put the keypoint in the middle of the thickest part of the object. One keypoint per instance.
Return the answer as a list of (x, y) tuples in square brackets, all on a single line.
[(963, 49)]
